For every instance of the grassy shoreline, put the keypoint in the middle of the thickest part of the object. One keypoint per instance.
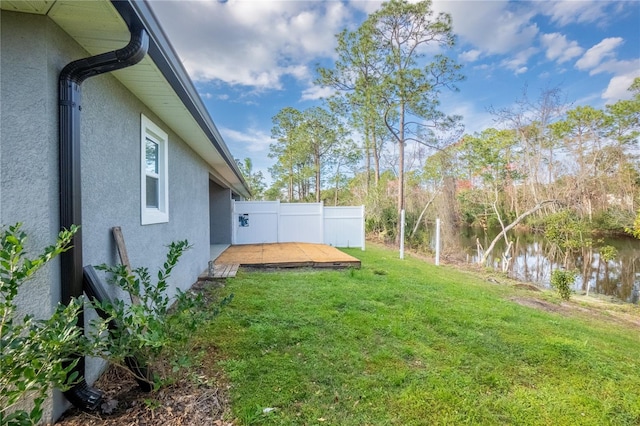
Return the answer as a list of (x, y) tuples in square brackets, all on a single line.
[(405, 342)]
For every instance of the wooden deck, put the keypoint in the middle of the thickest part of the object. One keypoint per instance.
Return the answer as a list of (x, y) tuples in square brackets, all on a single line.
[(219, 271), (287, 255), (225, 270)]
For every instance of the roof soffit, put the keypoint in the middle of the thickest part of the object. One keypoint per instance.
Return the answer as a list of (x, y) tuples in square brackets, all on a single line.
[(38, 7)]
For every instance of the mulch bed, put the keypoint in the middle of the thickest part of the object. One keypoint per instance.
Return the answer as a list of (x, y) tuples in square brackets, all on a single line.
[(182, 404), (198, 401)]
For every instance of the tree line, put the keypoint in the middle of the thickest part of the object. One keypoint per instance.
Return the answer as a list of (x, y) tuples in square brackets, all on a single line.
[(382, 140)]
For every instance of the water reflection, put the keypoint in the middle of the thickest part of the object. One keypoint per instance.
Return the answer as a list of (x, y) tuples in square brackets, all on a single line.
[(532, 259)]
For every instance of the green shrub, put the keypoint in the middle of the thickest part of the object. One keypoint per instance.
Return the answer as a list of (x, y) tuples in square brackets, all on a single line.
[(35, 355), (635, 229), (383, 225), (562, 281), (155, 331), (472, 209), (608, 253), (613, 219), (567, 231)]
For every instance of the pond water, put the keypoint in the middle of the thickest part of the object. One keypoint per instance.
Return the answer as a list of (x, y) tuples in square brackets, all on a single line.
[(532, 259)]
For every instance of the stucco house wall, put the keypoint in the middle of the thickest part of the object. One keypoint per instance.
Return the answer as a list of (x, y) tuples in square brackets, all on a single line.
[(220, 219), (111, 189), (29, 149), (34, 50), (28, 136), (111, 186)]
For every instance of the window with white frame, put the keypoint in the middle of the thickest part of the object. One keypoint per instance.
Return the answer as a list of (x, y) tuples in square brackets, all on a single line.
[(154, 183)]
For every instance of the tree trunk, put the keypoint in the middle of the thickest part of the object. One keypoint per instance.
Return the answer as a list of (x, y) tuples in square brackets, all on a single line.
[(497, 212), (316, 164), (290, 189), (367, 153), (376, 158), (400, 172), (337, 177), (415, 228)]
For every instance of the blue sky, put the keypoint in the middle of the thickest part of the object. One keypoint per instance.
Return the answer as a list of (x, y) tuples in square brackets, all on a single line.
[(251, 58)]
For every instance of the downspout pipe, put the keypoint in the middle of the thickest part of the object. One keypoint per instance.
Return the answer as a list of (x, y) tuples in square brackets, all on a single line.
[(70, 83)]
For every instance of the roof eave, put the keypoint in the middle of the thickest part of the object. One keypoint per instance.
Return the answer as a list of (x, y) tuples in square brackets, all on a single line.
[(138, 13)]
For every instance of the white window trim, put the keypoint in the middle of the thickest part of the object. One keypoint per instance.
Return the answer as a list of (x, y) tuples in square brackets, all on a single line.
[(150, 130)]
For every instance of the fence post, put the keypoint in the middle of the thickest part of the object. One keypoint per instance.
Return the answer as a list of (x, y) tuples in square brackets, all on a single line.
[(278, 227), (402, 234), (363, 226), (322, 239), (437, 241)]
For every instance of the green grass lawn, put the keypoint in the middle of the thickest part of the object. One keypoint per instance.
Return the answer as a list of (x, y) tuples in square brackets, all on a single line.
[(403, 342)]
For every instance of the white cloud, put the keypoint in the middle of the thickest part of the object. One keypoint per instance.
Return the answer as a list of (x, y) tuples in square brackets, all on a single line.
[(618, 87), (518, 62), (521, 70), (571, 11), (598, 53), (616, 67), (473, 120), (495, 27), (366, 6), (254, 140), (559, 48), (317, 92), (470, 55), (251, 43), (601, 58)]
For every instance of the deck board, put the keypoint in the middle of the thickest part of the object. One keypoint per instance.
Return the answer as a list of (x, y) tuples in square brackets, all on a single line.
[(287, 255), (220, 271)]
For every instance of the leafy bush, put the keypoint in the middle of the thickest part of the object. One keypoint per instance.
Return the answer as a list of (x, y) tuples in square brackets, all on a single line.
[(36, 355), (613, 219), (384, 224), (472, 208), (567, 232), (562, 281), (155, 331), (608, 253), (635, 229)]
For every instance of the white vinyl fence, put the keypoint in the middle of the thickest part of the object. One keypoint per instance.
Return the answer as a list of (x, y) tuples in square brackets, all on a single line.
[(344, 226), (274, 222)]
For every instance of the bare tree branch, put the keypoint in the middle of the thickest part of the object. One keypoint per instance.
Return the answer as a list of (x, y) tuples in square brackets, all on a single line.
[(506, 229)]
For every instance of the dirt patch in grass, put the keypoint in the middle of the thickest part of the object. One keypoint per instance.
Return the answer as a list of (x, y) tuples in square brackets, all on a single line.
[(588, 308), (601, 307), (539, 304), (527, 286)]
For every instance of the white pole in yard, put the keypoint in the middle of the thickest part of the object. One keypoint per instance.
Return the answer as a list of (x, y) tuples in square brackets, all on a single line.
[(437, 242), (402, 234)]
